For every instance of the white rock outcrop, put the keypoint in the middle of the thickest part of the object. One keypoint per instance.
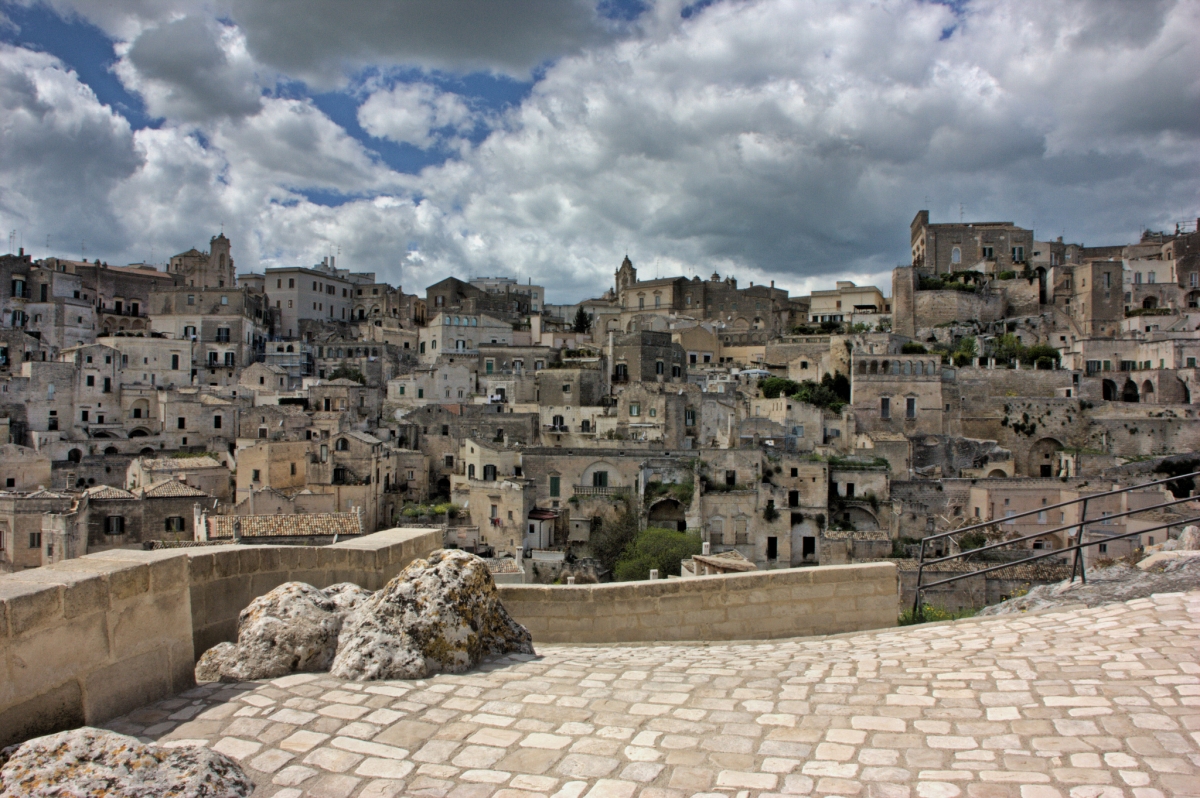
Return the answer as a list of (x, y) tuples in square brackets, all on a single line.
[(293, 628), (95, 762), (440, 615)]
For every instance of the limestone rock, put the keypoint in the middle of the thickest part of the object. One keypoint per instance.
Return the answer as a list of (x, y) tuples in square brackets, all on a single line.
[(293, 628), (439, 615), (1189, 539), (95, 762)]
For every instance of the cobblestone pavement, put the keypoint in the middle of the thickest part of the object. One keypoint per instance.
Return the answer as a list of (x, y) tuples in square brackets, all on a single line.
[(1090, 703)]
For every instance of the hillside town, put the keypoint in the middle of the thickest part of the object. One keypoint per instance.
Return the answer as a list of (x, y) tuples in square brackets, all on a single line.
[(143, 407)]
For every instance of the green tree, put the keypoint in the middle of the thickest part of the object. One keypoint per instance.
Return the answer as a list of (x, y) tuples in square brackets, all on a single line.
[(583, 322), (614, 535), (913, 348), (966, 351), (348, 372), (663, 549), (774, 387)]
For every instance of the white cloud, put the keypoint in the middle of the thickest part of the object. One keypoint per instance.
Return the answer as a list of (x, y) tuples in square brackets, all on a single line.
[(414, 113), (192, 70), (789, 140)]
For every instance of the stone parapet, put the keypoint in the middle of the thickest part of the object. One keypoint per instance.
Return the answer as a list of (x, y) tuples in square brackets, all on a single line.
[(91, 638), (793, 602)]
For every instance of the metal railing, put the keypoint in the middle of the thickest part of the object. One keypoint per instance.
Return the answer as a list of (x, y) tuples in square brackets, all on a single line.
[(1077, 565), (596, 490)]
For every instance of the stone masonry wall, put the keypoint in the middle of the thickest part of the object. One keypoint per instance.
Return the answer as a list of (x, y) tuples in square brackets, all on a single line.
[(753, 606), (88, 639)]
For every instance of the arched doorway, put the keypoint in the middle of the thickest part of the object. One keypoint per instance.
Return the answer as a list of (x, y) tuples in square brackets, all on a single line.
[(75, 455), (1109, 389), (1147, 391), (111, 450), (443, 487), (139, 432), (997, 473), (1129, 392), (1040, 272), (1150, 302), (146, 452), (667, 514), (1043, 457)]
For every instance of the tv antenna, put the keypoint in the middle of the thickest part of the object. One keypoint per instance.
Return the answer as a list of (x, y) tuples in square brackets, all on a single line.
[(960, 213)]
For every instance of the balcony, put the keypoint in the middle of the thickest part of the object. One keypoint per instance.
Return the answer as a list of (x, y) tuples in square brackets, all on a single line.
[(620, 379), (592, 490)]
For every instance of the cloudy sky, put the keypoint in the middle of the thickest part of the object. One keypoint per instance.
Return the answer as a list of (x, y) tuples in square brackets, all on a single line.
[(786, 140)]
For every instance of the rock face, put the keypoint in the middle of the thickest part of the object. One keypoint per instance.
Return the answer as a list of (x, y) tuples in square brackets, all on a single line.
[(293, 628), (94, 762), (1189, 539), (439, 615)]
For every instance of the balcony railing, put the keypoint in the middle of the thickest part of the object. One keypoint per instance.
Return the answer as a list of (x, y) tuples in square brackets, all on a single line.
[(592, 490)]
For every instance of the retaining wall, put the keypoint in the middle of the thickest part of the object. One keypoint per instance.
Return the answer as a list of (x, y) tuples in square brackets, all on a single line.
[(88, 639), (792, 602)]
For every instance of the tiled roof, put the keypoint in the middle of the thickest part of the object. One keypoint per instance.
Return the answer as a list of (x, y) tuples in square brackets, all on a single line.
[(502, 565), (285, 526), (178, 463), (108, 492), (172, 489), (727, 560), (856, 534)]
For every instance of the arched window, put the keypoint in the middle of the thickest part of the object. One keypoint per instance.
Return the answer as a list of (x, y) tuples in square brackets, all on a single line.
[(956, 255), (342, 445)]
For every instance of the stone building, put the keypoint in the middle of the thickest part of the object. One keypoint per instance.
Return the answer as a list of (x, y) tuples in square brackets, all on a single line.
[(989, 247)]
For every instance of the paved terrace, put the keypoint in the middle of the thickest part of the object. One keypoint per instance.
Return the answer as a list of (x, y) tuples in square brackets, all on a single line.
[(1086, 703)]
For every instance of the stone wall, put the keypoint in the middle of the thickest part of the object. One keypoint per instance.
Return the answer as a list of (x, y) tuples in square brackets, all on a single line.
[(88, 639), (753, 606)]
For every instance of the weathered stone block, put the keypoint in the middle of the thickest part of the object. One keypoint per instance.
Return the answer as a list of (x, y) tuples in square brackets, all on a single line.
[(126, 685), (30, 605), (56, 708)]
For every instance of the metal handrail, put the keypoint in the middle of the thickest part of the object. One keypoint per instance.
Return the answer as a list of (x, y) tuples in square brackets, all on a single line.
[(1057, 552), (1044, 532), (1062, 504), (1077, 547)]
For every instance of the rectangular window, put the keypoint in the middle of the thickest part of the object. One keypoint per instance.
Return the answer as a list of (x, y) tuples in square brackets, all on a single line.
[(910, 407), (555, 486), (689, 417), (599, 479), (216, 422), (256, 475), (114, 525), (191, 300), (885, 407), (35, 540), (108, 384), (181, 422), (635, 409), (174, 523), (449, 461), (90, 381)]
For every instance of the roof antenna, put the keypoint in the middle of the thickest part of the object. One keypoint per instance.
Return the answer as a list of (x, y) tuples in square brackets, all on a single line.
[(960, 213)]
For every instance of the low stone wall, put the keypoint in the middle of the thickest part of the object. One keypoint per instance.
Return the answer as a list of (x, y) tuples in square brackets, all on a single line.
[(791, 602), (87, 639), (225, 579)]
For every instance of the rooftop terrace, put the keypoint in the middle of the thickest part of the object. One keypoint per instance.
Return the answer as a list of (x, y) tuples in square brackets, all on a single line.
[(1085, 703)]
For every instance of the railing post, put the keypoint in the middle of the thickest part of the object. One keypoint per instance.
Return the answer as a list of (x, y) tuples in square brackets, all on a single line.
[(1078, 563), (918, 610)]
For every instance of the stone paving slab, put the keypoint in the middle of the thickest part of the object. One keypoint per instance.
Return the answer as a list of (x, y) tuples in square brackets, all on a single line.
[(1086, 703)]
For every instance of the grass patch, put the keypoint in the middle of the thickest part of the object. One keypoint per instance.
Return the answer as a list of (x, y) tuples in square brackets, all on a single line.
[(930, 613)]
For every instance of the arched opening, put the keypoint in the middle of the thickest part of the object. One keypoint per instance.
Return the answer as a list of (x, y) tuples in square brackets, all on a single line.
[(1040, 272), (443, 488), (1187, 393), (146, 452), (75, 455), (667, 514), (102, 436), (342, 445), (856, 518), (1109, 389), (1150, 302), (1147, 391), (112, 450), (997, 473), (1129, 391), (139, 432), (1193, 299), (1043, 457)]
